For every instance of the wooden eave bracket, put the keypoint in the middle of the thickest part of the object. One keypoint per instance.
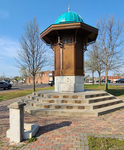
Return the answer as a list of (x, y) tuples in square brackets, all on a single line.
[(52, 47)]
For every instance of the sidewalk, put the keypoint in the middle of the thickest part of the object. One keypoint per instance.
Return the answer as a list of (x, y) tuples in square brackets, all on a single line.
[(68, 133)]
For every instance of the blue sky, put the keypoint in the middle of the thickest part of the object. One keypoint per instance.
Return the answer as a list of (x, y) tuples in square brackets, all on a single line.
[(14, 14)]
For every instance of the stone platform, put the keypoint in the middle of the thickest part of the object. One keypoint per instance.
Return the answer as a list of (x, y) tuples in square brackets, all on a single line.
[(87, 103)]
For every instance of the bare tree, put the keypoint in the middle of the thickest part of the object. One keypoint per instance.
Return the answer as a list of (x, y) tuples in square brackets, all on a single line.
[(23, 73), (89, 66), (117, 74), (32, 53), (110, 40), (93, 56), (2, 77)]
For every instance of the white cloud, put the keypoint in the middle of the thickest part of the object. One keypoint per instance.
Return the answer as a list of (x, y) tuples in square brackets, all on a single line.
[(8, 47), (8, 69), (4, 14), (8, 50)]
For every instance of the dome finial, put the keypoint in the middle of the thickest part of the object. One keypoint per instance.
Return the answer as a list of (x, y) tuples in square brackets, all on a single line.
[(68, 8)]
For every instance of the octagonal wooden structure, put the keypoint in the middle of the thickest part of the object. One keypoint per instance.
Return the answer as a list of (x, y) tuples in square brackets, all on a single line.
[(69, 42)]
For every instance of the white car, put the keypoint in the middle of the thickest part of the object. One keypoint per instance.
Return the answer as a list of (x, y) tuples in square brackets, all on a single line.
[(51, 83), (5, 85)]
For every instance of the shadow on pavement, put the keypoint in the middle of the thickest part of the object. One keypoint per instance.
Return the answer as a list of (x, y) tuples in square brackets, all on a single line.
[(51, 127)]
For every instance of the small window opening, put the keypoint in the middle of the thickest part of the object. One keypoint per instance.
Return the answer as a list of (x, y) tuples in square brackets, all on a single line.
[(64, 41), (70, 40)]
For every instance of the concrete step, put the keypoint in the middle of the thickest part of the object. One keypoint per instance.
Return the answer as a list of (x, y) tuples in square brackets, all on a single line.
[(100, 99), (60, 112), (80, 95), (25, 100), (58, 105), (29, 96), (88, 103), (106, 103), (66, 112), (67, 100), (109, 109), (72, 105)]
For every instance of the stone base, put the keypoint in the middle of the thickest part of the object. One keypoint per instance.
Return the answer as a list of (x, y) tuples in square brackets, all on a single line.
[(29, 131), (69, 84)]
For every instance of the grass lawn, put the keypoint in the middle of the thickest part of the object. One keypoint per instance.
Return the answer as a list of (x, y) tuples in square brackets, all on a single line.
[(112, 89), (18, 93), (105, 143)]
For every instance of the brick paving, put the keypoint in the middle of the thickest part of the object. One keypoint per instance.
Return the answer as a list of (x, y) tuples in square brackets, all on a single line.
[(61, 132)]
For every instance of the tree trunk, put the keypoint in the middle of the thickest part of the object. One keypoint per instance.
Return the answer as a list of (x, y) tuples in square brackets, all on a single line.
[(106, 77), (33, 83), (99, 78), (93, 76)]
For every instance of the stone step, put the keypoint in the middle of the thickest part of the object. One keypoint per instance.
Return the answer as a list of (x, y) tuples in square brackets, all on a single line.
[(73, 105), (70, 101), (96, 95), (62, 112), (109, 109), (71, 95), (30, 96), (106, 103), (58, 105), (68, 112), (88, 103), (25, 99), (100, 99)]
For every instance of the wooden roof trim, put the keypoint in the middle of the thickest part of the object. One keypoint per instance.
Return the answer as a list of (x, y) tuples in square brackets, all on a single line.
[(59, 27), (49, 29), (89, 28), (69, 26)]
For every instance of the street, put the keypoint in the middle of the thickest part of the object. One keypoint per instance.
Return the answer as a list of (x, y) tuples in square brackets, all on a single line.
[(19, 86), (119, 84)]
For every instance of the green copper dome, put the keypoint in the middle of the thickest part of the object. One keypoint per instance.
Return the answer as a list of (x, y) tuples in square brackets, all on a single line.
[(69, 17)]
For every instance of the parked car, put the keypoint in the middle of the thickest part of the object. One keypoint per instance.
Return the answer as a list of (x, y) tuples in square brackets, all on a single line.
[(8, 81), (51, 83), (90, 81), (97, 81), (108, 81), (5, 85), (120, 81)]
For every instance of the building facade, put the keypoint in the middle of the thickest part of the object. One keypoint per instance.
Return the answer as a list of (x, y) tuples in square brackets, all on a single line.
[(112, 78), (41, 77)]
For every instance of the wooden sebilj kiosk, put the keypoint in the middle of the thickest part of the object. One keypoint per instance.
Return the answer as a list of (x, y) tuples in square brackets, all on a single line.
[(69, 37)]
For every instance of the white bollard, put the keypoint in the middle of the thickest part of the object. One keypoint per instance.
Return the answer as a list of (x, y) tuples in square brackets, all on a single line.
[(16, 131)]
